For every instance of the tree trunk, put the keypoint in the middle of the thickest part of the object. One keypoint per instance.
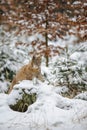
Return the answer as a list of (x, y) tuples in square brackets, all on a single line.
[(46, 55), (46, 37)]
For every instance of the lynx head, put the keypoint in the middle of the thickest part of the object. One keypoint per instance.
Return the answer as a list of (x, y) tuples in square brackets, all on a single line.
[(36, 61)]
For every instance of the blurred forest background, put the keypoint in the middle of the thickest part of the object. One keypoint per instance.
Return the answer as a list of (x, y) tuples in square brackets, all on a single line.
[(53, 29)]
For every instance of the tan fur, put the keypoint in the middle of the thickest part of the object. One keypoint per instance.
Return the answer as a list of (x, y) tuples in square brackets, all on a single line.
[(28, 72)]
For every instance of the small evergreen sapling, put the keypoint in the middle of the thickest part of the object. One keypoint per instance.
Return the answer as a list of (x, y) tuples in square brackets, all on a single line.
[(69, 72)]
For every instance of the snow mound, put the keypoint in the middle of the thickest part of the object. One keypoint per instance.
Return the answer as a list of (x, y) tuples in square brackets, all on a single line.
[(82, 96), (51, 111)]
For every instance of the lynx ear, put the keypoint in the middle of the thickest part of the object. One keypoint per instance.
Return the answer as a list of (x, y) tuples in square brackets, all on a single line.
[(36, 61), (32, 61)]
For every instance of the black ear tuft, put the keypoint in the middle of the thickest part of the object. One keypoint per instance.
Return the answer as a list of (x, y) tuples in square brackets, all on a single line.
[(33, 58)]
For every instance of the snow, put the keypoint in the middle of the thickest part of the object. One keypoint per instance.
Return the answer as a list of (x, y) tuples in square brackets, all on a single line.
[(51, 111), (82, 95), (3, 86), (77, 2)]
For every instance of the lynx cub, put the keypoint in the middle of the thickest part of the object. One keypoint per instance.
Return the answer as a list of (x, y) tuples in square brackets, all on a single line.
[(28, 72)]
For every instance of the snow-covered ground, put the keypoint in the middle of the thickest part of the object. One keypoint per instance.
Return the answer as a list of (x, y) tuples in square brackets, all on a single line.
[(51, 111)]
